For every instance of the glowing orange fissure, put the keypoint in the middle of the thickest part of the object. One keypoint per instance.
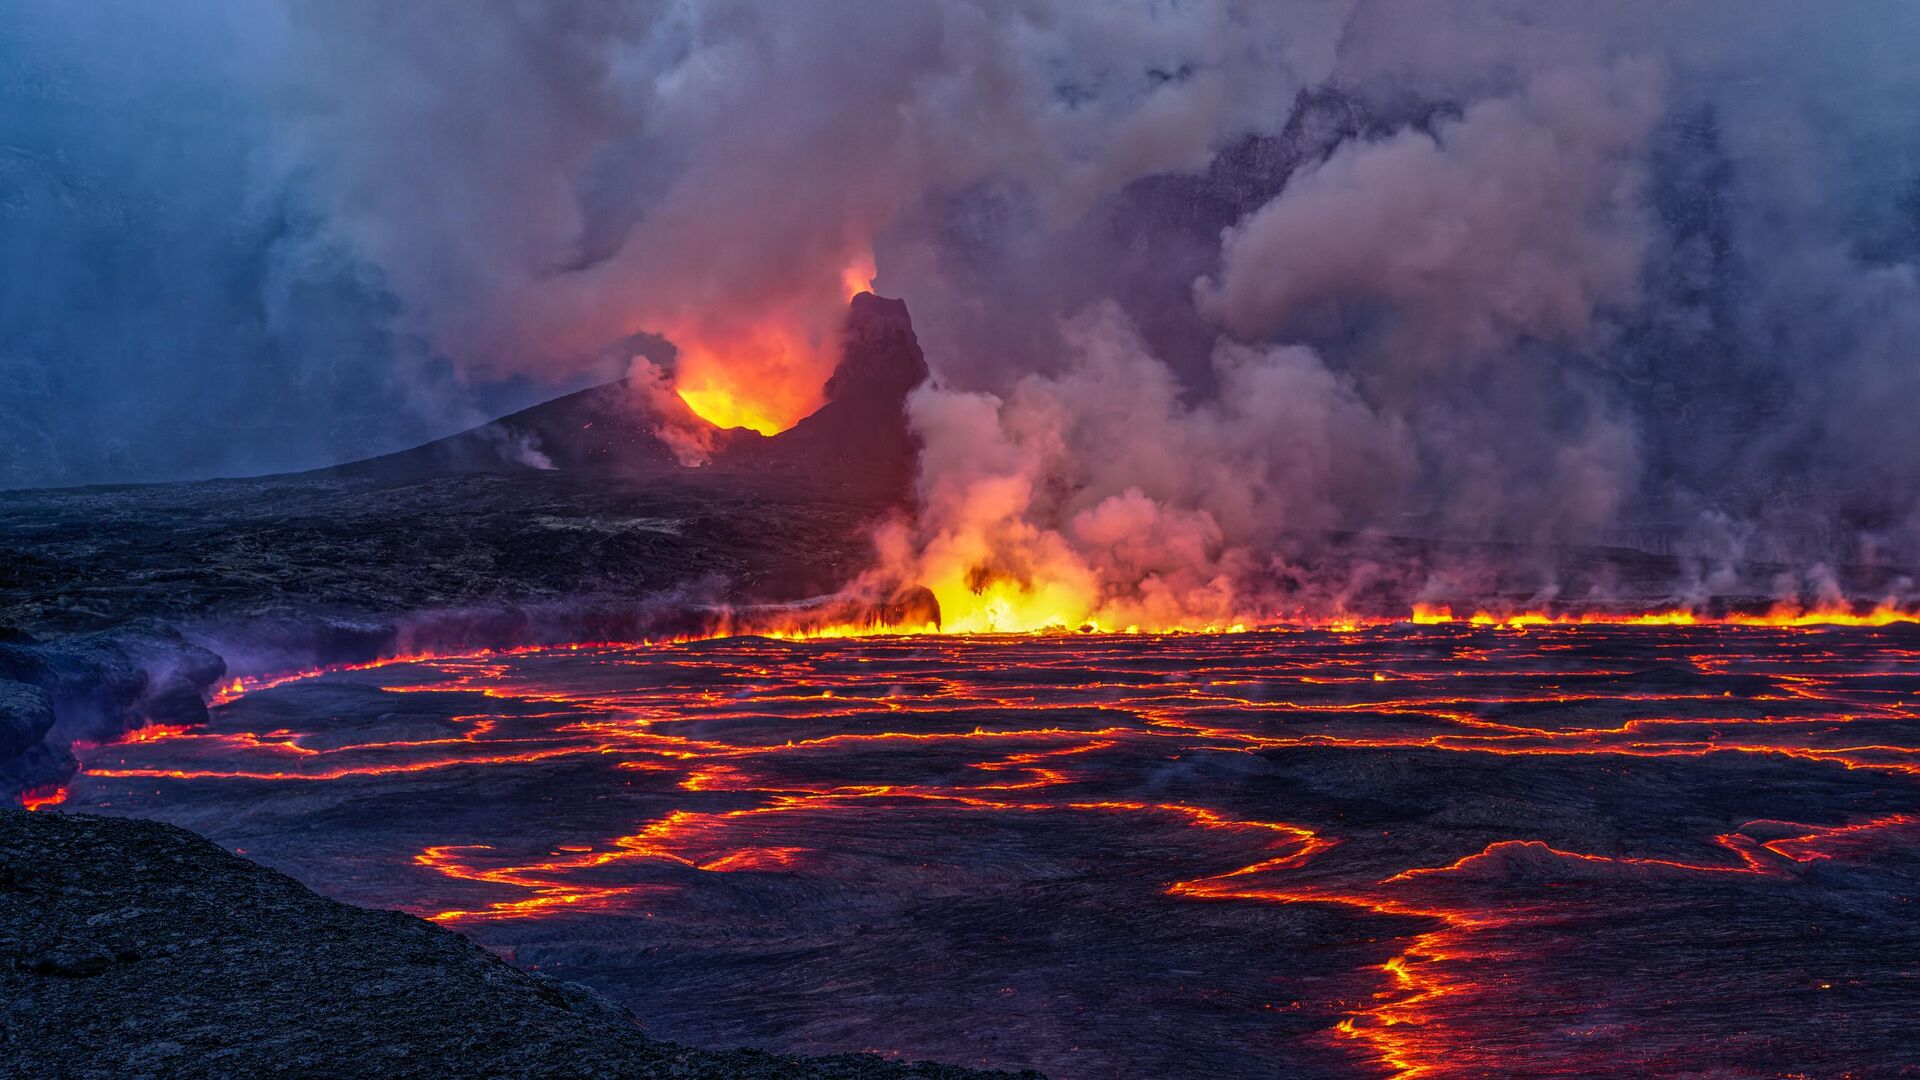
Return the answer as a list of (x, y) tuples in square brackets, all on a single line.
[(1404, 1025), (1422, 615), (1405, 1028), (798, 628), (1782, 617)]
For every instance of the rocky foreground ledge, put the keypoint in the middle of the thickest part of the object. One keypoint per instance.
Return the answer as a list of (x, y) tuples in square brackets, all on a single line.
[(135, 949)]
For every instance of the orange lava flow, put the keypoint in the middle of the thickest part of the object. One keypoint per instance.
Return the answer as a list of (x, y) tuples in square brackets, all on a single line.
[(39, 798), (1406, 1028), (740, 750), (800, 628), (1782, 615), (777, 399)]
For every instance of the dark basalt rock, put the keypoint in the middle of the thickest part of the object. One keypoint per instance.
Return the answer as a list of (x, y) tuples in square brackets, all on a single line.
[(99, 685), (93, 686), (44, 764), (860, 436), (26, 715), (881, 361), (602, 429), (914, 605), (132, 948), (287, 572)]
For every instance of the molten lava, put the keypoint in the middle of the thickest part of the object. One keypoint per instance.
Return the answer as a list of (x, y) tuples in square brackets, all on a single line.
[(705, 784), (763, 380), (39, 798), (765, 372)]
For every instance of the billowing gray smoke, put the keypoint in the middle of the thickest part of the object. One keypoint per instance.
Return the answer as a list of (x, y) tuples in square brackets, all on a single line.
[(1197, 279)]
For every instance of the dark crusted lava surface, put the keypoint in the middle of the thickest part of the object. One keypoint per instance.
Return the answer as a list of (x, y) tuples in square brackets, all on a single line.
[(131, 948), (1434, 851), (88, 559)]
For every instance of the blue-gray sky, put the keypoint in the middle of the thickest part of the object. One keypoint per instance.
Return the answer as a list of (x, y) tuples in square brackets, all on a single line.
[(172, 305)]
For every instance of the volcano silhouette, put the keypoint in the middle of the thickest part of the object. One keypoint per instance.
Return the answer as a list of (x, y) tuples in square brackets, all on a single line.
[(857, 440)]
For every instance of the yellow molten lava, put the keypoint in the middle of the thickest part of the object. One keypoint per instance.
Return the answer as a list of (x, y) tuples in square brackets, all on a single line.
[(767, 374), (1009, 607), (718, 406), (1780, 616), (1056, 605), (1005, 607)]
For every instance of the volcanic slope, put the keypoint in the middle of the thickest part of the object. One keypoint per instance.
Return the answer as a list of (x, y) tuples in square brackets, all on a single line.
[(475, 519), (857, 442), (132, 948), (121, 606), (98, 584)]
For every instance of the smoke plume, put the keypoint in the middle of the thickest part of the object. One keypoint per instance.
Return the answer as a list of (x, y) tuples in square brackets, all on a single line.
[(1202, 283)]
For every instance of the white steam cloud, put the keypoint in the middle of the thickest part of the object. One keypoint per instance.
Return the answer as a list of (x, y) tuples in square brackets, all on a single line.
[(1428, 275), (1202, 282)]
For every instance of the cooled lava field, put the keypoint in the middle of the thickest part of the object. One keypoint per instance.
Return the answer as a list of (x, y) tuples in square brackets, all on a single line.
[(1402, 850)]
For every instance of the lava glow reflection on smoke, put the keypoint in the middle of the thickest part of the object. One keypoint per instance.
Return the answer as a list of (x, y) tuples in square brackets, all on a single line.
[(763, 375)]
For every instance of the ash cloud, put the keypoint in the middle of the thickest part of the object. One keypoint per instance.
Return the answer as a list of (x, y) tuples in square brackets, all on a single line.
[(1198, 281)]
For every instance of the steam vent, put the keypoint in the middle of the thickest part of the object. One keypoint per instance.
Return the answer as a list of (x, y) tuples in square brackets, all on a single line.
[(1127, 541)]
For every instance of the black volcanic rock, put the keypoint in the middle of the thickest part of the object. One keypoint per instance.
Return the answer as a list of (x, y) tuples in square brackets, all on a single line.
[(860, 435), (880, 360), (26, 715), (98, 685), (132, 948), (604, 428)]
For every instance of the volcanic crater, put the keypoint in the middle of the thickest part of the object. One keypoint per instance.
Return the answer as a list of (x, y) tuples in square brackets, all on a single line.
[(551, 686)]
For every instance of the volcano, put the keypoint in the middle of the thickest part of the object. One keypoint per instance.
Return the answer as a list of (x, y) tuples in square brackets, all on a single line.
[(574, 515), (857, 441), (481, 681)]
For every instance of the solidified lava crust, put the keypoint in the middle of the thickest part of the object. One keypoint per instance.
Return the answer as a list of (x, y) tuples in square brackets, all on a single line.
[(1410, 851), (135, 949)]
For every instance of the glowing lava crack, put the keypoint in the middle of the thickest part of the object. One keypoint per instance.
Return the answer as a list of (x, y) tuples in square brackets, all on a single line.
[(1443, 849)]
